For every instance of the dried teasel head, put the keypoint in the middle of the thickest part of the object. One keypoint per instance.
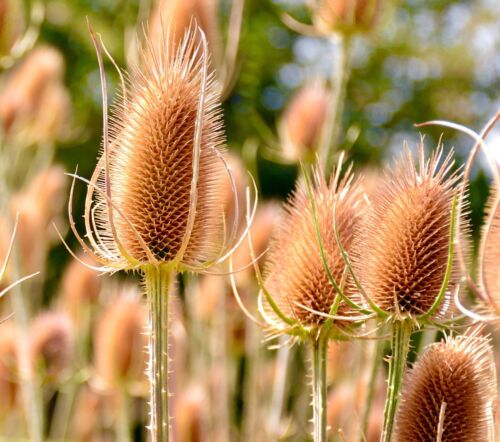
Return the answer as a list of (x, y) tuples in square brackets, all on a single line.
[(21, 99), (303, 121), (489, 255), (120, 343), (80, 288), (154, 194), (51, 345), (453, 388), (190, 414), (39, 204), (295, 273), (11, 24), (9, 368), (347, 16), (179, 15), (402, 256)]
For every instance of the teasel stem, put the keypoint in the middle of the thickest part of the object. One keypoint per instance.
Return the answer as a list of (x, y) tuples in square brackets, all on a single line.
[(319, 347), (123, 419), (340, 77), (158, 279), (400, 345), (372, 383)]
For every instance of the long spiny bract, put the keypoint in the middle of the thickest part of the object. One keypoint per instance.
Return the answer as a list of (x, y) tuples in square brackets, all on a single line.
[(294, 268), (402, 256), (459, 372)]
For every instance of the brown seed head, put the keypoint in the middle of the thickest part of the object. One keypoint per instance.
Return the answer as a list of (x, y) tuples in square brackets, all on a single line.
[(80, 288), (50, 346), (294, 267), (347, 15), (11, 24), (152, 161), (120, 343), (21, 98), (178, 15), (402, 256), (302, 122), (490, 253), (459, 372), (9, 368), (190, 414)]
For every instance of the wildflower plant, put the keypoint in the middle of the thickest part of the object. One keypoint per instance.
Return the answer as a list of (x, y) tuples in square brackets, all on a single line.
[(152, 202)]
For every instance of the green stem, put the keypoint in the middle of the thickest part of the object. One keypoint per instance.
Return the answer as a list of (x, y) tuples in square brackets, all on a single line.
[(123, 419), (400, 345), (319, 347), (340, 77), (372, 384), (158, 280)]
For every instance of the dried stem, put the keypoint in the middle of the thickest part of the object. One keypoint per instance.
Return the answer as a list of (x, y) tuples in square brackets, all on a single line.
[(319, 347), (340, 76), (400, 345), (158, 280)]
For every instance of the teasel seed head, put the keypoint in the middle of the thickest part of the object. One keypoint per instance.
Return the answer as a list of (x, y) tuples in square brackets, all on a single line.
[(489, 254), (155, 188), (460, 374), (179, 15), (9, 368), (190, 414), (21, 97), (120, 342), (347, 16), (303, 121), (401, 258), (51, 345), (80, 288), (294, 269)]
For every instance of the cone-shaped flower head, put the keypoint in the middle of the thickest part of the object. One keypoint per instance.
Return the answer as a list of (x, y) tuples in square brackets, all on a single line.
[(295, 274), (456, 380), (489, 258), (402, 256), (155, 189)]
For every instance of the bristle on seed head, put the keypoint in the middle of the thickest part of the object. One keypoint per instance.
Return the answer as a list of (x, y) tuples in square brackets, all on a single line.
[(453, 387), (402, 256), (294, 269)]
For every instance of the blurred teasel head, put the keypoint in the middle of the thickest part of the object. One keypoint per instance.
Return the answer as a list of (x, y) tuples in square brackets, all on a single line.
[(303, 121), (34, 101), (154, 196), (450, 391), (346, 16), (296, 276), (9, 368), (489, 254), (120, 342), (50, 346), (403, 256), (180, 15)]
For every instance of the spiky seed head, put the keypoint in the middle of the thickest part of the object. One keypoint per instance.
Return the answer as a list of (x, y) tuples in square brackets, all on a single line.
[(294, 267), (489, 251), (120, 343), (402, 255), (9, 368), (80, 288), (179, 15), (20, 99), (89, 415), (191, 414), (460, 373), (303, 122), (347, 15), (267, 218), (152, 161), (51, 344)]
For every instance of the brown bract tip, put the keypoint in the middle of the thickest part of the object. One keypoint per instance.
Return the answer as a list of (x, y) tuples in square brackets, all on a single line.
[(294, 267), (402, 255), (455, 379)]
